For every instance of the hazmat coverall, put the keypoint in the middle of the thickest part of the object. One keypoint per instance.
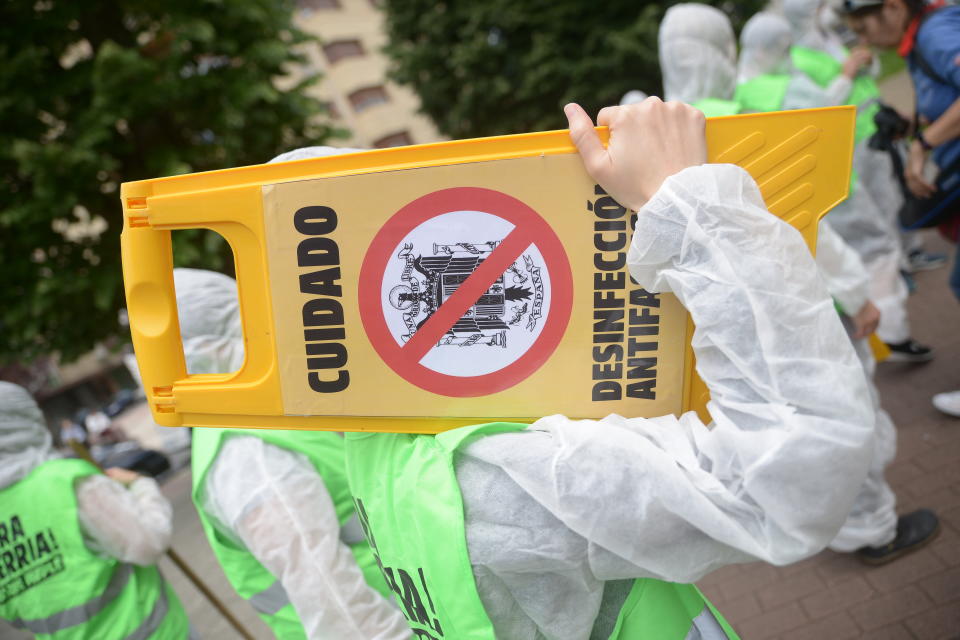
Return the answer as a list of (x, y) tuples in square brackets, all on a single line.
[(764, 50), (698, 54), (562, 516), (873, 520), (271, 501), (870, 223), (97, 541)]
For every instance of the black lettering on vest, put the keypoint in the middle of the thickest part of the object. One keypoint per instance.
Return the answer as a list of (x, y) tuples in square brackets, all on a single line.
[(410, 597), (42, 546), (20, 554), (423, 582), (16, 529)]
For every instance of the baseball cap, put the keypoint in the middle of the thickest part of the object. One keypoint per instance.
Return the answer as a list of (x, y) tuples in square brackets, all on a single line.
[(852, 6)]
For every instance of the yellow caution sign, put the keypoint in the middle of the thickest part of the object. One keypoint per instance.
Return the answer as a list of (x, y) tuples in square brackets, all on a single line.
[(423, 288)]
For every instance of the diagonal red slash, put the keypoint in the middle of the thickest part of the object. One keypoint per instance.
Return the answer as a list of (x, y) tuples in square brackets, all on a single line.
[(466, 294)]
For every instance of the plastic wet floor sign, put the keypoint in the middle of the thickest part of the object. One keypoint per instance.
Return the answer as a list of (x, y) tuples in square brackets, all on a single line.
[(423, 288)]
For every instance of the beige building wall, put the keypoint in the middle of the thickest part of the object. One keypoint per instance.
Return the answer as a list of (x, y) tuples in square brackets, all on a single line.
[(377, 112)]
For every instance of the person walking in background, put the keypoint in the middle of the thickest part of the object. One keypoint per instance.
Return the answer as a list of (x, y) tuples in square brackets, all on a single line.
[(766, 83), (928, 36), (274, 504), (870, 224), (78, 548), (698, 58)]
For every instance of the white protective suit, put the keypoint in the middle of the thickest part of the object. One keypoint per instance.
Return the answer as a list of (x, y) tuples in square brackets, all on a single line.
[(269, 499), (132, 525), (805, 18), (881, 244), (873, 520), (633, 96), (561, 516), (765, 43), (698, 53), (765, 49)]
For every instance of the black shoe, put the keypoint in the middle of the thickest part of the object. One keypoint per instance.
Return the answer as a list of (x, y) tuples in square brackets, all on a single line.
[(920, 260), (914, 530), (909, 351)]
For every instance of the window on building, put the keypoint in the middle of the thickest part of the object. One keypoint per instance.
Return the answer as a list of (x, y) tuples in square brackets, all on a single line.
[(367, 97), (332, 110), (318, 4), (340, 49), (399, 139)]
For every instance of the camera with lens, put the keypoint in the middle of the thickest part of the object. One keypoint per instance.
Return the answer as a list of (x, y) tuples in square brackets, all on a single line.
[(891, 126)]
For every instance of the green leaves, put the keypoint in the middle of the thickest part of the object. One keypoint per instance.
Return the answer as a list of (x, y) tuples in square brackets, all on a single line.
[(500, 66), (100, 92)]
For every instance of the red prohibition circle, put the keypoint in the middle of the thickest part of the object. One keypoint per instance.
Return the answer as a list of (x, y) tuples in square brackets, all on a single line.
[(529, 229)]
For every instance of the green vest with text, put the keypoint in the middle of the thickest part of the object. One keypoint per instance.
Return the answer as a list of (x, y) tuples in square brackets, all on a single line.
[(411, 511), (252, 581), (53, 586), (763, 94), (822, 68), (715, 107)]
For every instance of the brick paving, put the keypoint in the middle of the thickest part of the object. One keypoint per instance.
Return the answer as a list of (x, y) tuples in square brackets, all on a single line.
[(917, 597)]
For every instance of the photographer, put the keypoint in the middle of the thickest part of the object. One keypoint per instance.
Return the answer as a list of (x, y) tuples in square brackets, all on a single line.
[(928, 36)]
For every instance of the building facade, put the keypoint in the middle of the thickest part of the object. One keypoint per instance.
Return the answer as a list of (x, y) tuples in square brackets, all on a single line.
[(354, 86)]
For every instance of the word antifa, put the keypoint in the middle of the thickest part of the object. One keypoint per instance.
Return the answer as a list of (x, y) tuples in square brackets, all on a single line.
[(620, 333), (322, 314)]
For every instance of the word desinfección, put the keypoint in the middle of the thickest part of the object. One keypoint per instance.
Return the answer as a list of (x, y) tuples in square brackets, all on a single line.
[(625, 324)]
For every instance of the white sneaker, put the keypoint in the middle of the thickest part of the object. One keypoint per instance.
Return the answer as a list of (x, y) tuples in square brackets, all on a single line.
[(948, 402)]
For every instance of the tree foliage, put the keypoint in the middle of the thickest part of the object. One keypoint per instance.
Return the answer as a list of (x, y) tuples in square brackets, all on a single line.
[(100, 92), (508, 66)]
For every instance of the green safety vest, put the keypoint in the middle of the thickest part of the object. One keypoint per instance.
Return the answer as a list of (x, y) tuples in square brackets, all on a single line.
[(53, 586), (251, 580), (715, 107), (763, 94), (822, 68), (411, 511)]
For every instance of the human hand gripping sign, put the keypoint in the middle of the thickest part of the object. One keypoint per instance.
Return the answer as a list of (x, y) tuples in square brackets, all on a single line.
[(649, 142)]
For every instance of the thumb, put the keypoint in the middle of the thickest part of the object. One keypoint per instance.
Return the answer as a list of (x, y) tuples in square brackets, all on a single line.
[(585, 137)]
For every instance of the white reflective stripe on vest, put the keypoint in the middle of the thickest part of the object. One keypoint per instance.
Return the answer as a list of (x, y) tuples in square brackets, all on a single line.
[(155, 619), (351, 532), (271, 599), (80, 613), (706, 627)]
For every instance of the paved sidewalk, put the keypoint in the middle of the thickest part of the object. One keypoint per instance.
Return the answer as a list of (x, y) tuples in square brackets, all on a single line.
[(832, 596)]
